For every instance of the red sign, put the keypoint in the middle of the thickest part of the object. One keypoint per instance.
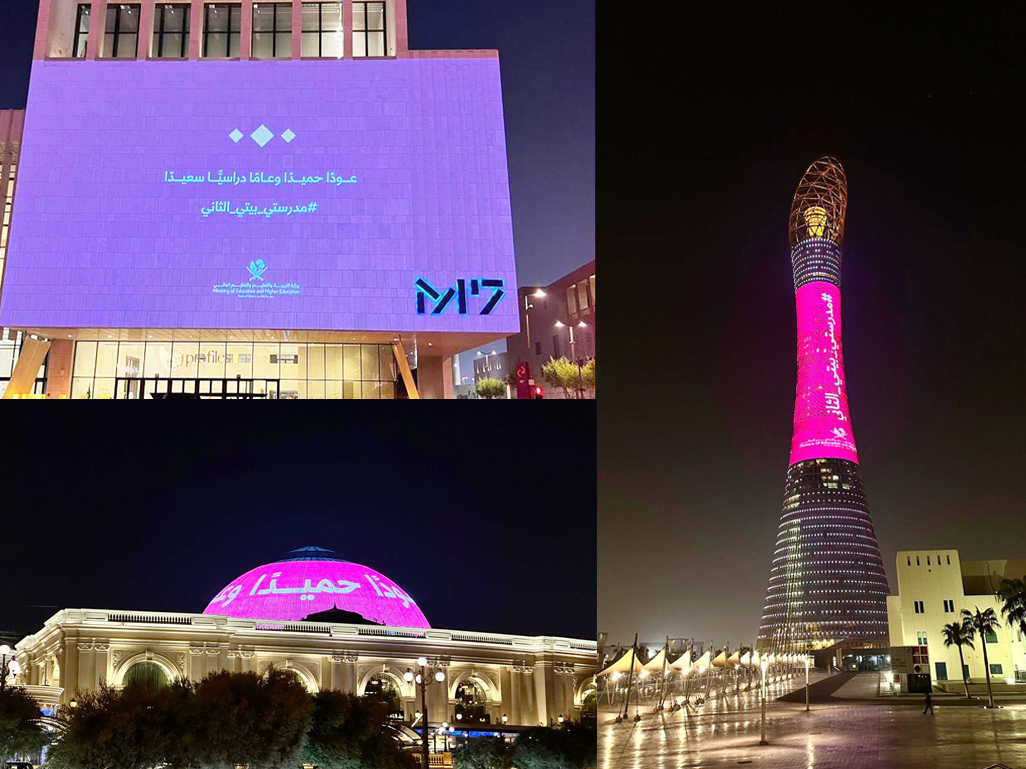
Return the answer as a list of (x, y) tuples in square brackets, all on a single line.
[(523, 381)]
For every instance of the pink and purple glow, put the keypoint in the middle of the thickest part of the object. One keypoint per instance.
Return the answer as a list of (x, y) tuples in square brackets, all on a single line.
[(260, 195), (293, 590), (822, 424)]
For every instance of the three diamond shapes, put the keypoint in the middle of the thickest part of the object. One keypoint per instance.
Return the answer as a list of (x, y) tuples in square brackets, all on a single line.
[(262, 135)]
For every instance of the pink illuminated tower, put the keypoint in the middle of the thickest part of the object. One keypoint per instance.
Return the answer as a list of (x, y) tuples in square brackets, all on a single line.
[(827, 584)]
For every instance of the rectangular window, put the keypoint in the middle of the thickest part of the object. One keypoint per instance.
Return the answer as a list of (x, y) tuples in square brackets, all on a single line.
[(582, 296), (909, 560), (222, 25), (591, 285), (918, 606), (949, 560), (927, 560), (368, 29), (571, 302), (555, 346), (995, 669), (921, 638), (991, 637), (121, 35), (322, 30), (78, 50), (537, 348), (170, 31), (917, 560), (272, 30)]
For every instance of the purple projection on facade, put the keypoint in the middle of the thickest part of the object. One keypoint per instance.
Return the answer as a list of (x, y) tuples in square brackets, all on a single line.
[(355, 195)]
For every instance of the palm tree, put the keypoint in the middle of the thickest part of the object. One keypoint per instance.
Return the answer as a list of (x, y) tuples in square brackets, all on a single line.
[(959, 635), (1013, 593), (982, 622)]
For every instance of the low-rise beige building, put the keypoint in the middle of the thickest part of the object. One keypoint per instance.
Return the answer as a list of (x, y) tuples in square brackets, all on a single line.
[(517, 680), (934, 586)]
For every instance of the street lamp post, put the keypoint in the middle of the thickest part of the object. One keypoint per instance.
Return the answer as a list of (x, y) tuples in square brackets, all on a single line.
[(573, 348), (806, 684), (539, 294), (422, 681), (763, 740), (8, 665)]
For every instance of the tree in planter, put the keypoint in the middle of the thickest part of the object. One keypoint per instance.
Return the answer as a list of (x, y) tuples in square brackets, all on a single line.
[(346, 732), (563, 374), (491, 388), (956, 634), (20, 732), (482, 753), (982, 622), (588, 374), (571, 746)]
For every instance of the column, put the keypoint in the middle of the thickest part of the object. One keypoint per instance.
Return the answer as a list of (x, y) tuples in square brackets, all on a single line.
[(86, 666), (196, 29), (347, 29), (297, 29), (101, 654), (246, 37), (97, 23), (529, 715), (506, 691), (58, 371), (434, 376), (69, 669), (542, 687), (145, 31)]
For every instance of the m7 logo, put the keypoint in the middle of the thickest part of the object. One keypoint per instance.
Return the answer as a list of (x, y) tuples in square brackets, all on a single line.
[(441, 299)]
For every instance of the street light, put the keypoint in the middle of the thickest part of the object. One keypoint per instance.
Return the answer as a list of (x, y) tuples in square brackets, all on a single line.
[(528, 306), (806, 684), (763, 740), (8, 665), (561, 324), (422, 681)]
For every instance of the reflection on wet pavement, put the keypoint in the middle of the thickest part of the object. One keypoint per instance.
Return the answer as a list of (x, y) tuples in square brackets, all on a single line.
[(842, 734)]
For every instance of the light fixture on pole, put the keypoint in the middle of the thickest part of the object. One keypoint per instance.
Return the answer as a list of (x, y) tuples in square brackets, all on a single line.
[(573, 343), (528, 306), (806, 684), (763, 741), (9, 665), (423, 683)]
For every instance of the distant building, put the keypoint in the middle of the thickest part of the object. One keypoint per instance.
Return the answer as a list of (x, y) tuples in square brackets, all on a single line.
[(934, 586), (491, 366), (570, 301)]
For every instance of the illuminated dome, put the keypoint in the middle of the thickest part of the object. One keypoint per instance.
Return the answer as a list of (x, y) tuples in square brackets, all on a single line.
[(312, 580)]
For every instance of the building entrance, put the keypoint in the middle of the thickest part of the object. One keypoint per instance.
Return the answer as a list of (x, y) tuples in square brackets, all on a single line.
[(159, 388)]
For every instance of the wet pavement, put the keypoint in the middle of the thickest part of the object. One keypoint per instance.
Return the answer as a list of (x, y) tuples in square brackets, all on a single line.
[(838, 733)]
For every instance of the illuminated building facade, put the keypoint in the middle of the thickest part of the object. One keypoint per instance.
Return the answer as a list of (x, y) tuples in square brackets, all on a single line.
[(248, 199), (332, 623), (827, 584), (934, 587)]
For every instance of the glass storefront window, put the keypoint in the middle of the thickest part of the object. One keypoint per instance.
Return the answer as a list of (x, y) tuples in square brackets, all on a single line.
[(351, 361), (279, 370)]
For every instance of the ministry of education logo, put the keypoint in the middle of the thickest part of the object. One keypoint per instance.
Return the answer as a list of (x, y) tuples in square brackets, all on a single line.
[(257, 269)]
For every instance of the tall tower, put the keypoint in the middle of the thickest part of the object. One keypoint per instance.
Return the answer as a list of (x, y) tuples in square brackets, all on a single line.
[(827, 583)]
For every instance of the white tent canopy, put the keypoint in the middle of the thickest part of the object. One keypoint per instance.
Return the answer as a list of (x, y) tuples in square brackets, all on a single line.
[(683, 662), (655, 665), (623, 665)]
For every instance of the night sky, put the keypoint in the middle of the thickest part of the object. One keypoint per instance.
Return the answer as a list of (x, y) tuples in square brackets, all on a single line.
[(693, 203), (487, 529), (547, 55)]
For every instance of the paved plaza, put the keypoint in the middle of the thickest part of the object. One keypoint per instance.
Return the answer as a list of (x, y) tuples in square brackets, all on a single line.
[(848, 727)]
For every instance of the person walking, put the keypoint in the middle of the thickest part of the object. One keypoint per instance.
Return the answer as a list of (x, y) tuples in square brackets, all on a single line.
[(929, 704)]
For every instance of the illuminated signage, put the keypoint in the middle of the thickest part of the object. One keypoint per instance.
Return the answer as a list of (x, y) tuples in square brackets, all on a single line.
[(351, 195), (292, 590), (822, 424)]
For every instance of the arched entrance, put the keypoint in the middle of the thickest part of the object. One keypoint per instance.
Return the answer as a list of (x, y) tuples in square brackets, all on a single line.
[(384, 687), (147, 673), (471, 703)]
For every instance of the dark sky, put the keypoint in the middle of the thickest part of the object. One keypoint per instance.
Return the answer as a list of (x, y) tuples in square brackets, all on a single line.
[(488, 528), (693, 201), (547, 54)]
